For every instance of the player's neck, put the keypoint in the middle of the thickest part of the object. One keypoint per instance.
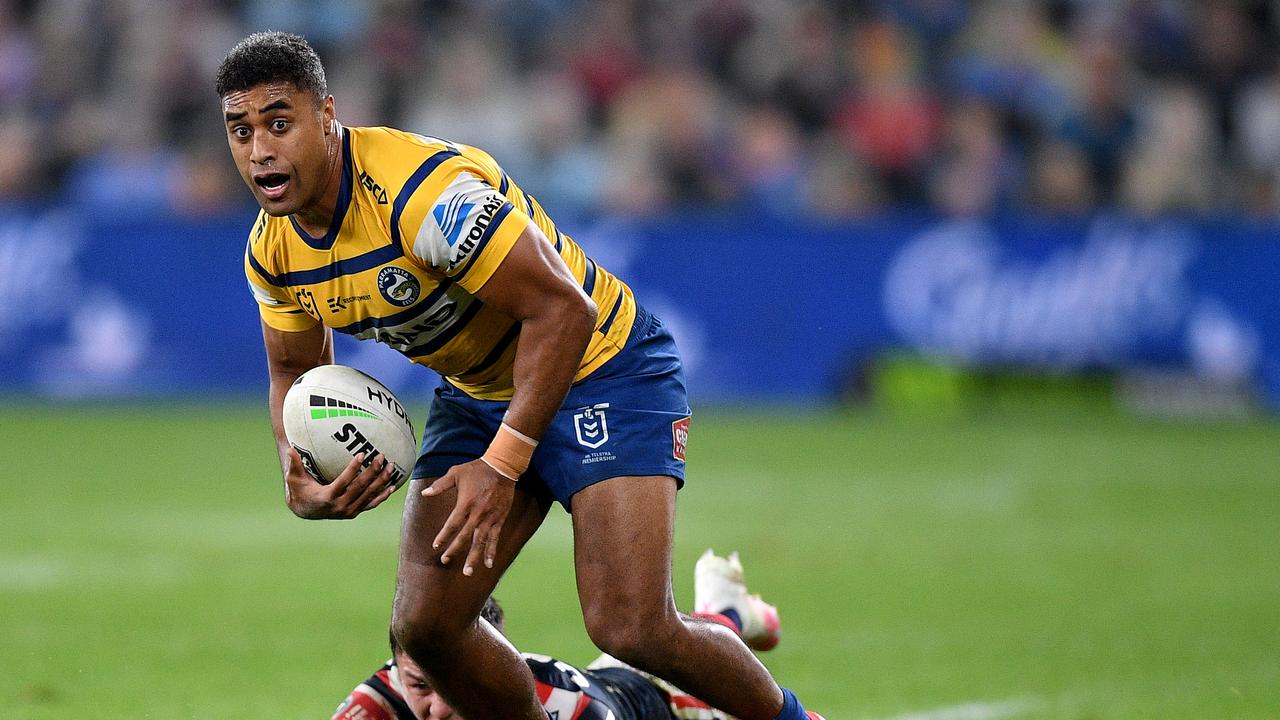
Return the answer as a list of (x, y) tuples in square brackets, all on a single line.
[(316, 218)]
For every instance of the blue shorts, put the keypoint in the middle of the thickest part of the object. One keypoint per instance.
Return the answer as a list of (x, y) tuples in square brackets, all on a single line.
[(628, 418)]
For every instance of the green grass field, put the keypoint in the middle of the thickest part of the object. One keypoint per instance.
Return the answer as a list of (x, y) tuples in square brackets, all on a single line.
[(931, 567)]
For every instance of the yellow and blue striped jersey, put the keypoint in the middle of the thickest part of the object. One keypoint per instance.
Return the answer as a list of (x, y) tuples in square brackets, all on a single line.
[(421, 224)]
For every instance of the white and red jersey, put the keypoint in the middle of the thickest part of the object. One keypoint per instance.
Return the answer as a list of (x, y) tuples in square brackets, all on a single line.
[(607, 691), (376, 699)]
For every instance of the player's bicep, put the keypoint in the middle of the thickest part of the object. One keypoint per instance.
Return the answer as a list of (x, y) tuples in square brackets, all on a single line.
[(293, 353), (531, 278)]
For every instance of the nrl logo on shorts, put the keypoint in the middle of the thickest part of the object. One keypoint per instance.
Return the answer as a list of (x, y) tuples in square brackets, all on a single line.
[(591, 426)]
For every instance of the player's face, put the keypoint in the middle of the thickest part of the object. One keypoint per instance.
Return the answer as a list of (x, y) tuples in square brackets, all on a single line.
[(284, 144), (424, 701)]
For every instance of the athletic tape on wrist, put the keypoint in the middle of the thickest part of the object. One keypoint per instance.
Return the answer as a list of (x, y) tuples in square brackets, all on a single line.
[(510, 452)]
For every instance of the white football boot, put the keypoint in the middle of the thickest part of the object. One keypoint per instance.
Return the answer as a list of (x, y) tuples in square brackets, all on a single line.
[(718, 586)]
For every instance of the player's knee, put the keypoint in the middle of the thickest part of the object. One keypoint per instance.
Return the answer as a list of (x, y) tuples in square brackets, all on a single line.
[(632, 638), (621, 641), (424, 632), (413, 636)]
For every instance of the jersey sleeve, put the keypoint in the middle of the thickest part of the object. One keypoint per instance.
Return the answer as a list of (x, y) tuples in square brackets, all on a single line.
[(275, 306), (465, 231)]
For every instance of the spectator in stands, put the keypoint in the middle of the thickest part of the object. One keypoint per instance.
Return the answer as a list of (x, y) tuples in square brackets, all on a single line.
[(846, 109)]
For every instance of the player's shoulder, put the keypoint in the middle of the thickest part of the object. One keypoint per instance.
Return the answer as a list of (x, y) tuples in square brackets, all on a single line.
[(382, 137), (556, 673), (379, 146), (400, 152), (566, 691)]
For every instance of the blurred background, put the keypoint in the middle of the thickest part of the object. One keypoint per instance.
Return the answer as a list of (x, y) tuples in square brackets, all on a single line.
[(979, 304), (816, 193)]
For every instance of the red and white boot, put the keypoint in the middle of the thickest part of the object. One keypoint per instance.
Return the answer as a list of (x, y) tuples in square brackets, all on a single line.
[(719, 586)]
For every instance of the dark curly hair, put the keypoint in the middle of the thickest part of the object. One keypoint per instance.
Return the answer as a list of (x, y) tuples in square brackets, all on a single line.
[(269, 57)]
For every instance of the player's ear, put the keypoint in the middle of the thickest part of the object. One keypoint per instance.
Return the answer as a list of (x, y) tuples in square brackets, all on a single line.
[(329, 116)]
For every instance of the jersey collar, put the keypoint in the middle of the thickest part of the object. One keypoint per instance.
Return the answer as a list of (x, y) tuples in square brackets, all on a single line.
[(340, 210)]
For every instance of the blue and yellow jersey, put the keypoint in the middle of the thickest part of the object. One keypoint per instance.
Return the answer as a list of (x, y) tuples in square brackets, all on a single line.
[(421, 224)]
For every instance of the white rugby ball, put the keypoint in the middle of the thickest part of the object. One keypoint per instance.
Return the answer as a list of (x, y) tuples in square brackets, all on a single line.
[(333, 413)]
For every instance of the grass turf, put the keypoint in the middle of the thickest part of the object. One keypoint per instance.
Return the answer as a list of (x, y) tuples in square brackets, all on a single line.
[(1025, 564)]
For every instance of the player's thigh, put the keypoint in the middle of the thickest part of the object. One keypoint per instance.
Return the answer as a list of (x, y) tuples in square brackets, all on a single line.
[(458, 430), (439, 596), (622, 534), (628, 419)]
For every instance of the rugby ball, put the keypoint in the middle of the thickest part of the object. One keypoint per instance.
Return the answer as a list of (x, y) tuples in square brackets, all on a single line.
[(333, 413)]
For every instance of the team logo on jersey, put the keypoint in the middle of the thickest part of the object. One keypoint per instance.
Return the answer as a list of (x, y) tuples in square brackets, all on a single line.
[(679, 437), (591, 426), (451, 217), (398, 286)]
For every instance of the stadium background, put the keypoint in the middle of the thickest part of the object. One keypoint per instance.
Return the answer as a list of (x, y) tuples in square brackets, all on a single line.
[(979, 301)]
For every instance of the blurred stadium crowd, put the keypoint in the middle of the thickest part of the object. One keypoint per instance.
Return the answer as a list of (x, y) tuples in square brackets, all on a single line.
[(824, 107)]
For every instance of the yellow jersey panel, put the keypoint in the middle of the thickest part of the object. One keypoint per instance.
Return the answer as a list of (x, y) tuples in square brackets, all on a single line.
[(420, 226)]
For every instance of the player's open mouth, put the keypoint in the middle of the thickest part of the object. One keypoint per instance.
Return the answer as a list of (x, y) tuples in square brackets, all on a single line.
[(273, 185)]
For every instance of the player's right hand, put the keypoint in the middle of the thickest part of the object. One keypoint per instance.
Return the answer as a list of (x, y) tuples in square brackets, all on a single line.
[(483, 502), (355, 490)]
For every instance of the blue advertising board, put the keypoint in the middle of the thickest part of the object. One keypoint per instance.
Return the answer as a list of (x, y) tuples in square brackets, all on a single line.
[(94, 305)]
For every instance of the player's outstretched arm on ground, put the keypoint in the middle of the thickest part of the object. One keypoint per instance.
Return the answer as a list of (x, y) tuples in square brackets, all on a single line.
[(356, 489), (535, 287)]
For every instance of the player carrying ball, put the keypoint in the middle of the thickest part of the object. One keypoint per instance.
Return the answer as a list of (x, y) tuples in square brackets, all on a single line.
[(557, 385)]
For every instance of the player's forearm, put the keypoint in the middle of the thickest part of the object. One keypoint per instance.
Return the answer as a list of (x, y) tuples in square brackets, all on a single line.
[(548, 356), (275, 403), (289, 354)]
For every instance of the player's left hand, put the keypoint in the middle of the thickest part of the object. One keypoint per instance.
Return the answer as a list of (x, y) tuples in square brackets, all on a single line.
[(484, 500)]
